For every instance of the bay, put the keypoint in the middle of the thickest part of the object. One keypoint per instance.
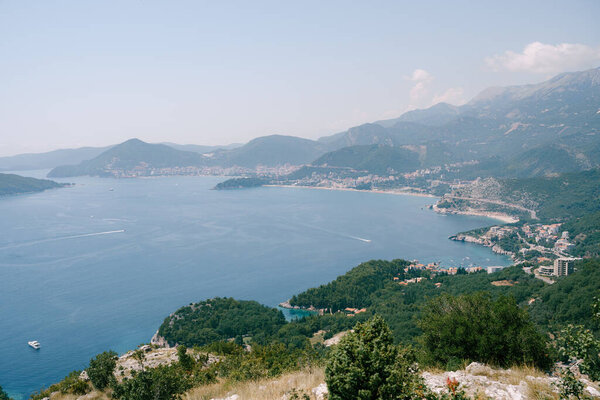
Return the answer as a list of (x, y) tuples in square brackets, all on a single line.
[(99, 265)]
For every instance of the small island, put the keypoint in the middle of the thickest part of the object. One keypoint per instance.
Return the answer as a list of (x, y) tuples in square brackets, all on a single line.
[(240, 183)]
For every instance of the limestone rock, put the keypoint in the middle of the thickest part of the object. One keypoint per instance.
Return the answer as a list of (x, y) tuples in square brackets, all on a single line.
[(83, 376), (320, 391), (159, 341)]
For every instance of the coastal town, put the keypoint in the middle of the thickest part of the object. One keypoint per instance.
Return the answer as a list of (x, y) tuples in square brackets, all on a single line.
[(537, 243)]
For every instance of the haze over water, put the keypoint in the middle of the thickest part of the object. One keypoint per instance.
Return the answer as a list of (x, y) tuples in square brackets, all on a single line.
[(87, 269)]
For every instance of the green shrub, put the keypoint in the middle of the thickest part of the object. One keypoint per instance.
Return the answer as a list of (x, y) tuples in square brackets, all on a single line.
[(186, 362), (367, 365), (575, 342), (474, 327), (4, 395), (101, 369), (161, 383)]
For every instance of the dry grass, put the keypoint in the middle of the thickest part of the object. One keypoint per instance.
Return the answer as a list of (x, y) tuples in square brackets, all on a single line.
[(540, 391), (318, 337), (504, 283), (93, 395), (268, 389), (537, 389), (516, 375)]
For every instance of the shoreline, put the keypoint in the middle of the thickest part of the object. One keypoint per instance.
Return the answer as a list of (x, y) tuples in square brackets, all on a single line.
[(394, 192), (507, 219)]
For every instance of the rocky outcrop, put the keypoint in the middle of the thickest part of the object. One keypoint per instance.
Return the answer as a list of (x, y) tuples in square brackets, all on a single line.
[(501, 384), (320, 391), (159, 341)]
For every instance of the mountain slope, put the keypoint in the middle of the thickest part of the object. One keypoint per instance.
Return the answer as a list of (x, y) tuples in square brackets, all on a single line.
[(51, 159), (516, 122), (436, 115), (376, 159), (129, 155), (271, 150)]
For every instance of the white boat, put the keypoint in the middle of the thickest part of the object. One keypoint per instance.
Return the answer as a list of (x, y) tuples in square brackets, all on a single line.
[(35, 344)]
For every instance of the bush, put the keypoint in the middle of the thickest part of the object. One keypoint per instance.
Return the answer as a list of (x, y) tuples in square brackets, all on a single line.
[(575, 342), (367, 365), (476, 328), (101, 369), (569, 386), (161, 383), (4, 395), (186, 362), (265, 361)]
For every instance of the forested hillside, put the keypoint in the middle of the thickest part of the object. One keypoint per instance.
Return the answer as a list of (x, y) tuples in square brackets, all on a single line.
[(16, 184), (220, 319)]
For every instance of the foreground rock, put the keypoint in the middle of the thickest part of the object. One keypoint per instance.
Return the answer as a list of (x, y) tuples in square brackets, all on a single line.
[(479, 380)]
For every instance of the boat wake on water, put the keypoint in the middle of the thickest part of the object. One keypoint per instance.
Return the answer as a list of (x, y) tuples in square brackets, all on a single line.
[(337, 233), (61, 238), (361, 239)]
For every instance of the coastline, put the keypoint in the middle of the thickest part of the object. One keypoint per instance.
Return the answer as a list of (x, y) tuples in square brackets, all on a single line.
[(505, 218), (395, 192)]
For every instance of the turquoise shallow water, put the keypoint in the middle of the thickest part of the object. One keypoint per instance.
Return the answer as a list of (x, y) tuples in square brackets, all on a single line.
[(86, 269)]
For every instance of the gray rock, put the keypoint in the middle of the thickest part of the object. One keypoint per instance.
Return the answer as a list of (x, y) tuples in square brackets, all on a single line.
[(320, 391)]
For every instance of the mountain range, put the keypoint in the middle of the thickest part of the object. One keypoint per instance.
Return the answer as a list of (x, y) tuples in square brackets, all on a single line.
[(515, 131)]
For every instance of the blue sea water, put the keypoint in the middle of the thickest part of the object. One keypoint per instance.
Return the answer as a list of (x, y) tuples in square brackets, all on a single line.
[(99, 265)]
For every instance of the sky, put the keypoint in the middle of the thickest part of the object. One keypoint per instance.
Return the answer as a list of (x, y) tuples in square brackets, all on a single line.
[(94, 73)]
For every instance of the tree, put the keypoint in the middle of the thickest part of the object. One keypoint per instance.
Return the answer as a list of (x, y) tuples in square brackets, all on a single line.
[(140, 356), (101, 369), (185, 360), (476, 328), (4, 395), (367, 365)]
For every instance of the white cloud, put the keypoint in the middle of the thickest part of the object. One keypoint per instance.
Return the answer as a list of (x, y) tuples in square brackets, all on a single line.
[(546, 58), (453, 96), (420, 75), (421, 95), (420, 91)]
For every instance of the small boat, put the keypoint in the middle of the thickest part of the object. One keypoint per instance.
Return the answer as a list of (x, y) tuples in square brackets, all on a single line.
[(111, 190), (35, 344)]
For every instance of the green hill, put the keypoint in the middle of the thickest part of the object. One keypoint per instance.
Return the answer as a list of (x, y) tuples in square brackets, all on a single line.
[(16, 184), (270, 151), (128, 155), (220, 319), (376, 159)]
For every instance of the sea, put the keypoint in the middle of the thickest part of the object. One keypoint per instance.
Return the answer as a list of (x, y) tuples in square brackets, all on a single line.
[(98, 266)]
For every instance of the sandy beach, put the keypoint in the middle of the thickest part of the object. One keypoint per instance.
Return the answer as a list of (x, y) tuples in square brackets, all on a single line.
[(396, 192), (507, 219)]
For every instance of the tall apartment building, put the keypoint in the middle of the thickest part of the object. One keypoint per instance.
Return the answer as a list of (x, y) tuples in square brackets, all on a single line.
[(563, 266)]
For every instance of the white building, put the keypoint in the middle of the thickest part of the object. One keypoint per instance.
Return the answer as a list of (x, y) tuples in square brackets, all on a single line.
[(563, 266), (491, 270)]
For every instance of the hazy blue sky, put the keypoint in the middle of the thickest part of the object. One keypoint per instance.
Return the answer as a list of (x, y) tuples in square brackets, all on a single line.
[(76, 73)]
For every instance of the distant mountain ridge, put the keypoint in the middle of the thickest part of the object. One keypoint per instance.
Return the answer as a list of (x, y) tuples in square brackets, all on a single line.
[(561, 114), (267, 151), (51, 159), (129, 155), (528, 130), (271, 151)]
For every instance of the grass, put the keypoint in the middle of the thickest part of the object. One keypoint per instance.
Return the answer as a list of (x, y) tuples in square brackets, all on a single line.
[(93, 395), (302, 381)]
